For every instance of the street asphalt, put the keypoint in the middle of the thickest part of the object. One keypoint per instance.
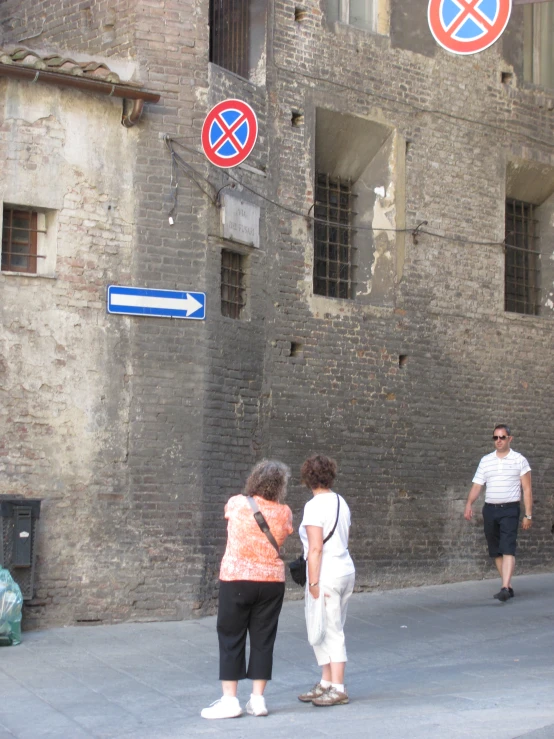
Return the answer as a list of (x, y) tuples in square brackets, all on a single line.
[(444, 661)]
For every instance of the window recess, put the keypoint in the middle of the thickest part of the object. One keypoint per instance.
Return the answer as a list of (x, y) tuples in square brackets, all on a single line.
[(358, 187)]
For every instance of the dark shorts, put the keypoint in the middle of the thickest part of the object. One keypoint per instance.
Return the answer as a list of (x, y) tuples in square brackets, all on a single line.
[(501, 523)]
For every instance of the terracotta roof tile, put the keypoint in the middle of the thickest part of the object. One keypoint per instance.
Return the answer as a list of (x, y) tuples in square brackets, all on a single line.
[(62, 65)]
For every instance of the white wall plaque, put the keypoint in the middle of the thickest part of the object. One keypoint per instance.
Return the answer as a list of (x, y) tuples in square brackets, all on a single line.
[(241, 221)]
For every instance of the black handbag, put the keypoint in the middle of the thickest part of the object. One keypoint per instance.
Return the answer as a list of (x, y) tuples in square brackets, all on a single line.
[(298, 567)]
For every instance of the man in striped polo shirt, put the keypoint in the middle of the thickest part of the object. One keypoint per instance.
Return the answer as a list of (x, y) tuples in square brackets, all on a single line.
[(505, 473)]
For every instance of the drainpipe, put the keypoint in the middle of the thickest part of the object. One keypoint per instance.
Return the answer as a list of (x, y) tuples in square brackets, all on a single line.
[(86, 85), (132, 118)]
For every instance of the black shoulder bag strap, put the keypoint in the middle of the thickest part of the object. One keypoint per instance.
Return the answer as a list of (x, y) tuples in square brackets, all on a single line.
[(262, 523), (336, 521)]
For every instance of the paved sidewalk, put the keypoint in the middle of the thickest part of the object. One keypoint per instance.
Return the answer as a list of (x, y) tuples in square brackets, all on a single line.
[(444, 661)]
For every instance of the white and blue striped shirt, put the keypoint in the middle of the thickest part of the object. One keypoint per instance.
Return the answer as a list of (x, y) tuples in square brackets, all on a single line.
[(502, 476)]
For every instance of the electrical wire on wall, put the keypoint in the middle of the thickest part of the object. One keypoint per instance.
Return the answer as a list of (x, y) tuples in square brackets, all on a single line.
[(188, 169), (213, 194)]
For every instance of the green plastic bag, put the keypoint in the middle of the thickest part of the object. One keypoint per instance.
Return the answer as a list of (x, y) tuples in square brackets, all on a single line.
[(11, 603)]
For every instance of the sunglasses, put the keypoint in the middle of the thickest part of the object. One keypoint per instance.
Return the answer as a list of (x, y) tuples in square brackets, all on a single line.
[(499, 438)]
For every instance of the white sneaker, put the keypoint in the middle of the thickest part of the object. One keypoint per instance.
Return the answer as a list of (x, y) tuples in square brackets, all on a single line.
[(223, 708), (256, 706)]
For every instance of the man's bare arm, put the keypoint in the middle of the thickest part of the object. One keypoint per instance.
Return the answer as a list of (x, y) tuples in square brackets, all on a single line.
[(471, 498), (527, 498)]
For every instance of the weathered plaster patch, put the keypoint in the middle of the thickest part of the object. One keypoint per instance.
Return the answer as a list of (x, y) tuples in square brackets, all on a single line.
[(298, 228), (201, 95), (384, 213)]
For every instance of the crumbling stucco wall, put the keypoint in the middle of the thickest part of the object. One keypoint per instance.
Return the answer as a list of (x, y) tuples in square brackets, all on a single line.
[(65, 365)]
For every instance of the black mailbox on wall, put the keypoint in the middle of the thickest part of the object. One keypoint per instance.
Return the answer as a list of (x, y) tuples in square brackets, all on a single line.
[(22, 535), (18, 524)]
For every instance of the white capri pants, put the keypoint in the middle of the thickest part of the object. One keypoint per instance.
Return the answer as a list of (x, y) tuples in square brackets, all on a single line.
[(337, 591)]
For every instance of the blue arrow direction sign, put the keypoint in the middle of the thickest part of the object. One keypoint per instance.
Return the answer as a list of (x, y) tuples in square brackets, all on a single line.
[(141, 301)]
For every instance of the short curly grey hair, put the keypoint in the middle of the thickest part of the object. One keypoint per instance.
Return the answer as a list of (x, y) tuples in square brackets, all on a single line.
[(269, 480)]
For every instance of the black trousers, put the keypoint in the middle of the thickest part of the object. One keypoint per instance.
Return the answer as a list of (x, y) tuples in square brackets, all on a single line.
[(252, 608)]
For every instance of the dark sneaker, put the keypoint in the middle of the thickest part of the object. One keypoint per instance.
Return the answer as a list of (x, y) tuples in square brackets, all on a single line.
[(331, 697), (503, 595), (511, 591), (316, 692)]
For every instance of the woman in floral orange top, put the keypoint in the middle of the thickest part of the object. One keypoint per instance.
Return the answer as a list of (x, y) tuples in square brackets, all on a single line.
[(251, 589)]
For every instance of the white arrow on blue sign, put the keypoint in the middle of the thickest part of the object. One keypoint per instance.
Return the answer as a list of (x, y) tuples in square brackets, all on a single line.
[(141, 301)]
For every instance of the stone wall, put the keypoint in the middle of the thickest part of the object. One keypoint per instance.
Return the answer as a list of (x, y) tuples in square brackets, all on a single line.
[(65, 365)]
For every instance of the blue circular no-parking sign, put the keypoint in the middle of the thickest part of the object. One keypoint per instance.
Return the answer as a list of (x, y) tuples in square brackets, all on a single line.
[(229, 133), (468, 26)]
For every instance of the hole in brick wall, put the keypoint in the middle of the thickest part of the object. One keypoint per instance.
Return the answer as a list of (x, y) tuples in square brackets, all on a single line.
[(552, 529), (402, 360), (297, 119), (300, 14), (507, 78), (408, 146), (295, 349)]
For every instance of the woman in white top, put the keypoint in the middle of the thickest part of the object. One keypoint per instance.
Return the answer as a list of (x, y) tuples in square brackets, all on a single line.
[(330, 572)]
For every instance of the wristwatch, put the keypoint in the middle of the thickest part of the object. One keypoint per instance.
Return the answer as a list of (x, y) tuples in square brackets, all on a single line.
[(529, 517), (313, 584)]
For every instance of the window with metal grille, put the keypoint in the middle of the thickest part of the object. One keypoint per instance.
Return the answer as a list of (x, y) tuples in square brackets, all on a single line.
[(19, 241), (229, 35), (333, 249), (522, 262), (232, 284)]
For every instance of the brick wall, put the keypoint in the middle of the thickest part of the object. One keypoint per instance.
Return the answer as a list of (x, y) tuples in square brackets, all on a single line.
[(408, 438), (201, 402)]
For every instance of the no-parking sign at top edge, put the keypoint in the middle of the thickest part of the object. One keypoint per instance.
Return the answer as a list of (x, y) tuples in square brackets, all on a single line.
[(468, 26), (229, 133)]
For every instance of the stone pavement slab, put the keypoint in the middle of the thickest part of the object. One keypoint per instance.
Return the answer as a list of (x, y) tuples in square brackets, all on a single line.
[(440, 661)]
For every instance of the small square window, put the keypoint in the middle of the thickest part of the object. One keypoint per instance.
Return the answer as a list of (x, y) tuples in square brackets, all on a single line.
[(232, 284), (19, 240), (359, 13)]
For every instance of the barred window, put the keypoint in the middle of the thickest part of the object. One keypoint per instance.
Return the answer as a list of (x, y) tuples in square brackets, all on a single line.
[(522, 261), (229, 35), (232, 283), (333, 248), (238, 37), (19, 241)]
